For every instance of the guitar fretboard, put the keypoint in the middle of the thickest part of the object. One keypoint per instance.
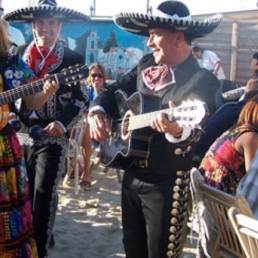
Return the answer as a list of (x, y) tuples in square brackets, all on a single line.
[(22, 91), (144, 120), (189, 114)]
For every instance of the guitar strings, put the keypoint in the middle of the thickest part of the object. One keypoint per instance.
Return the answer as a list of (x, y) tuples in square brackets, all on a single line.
[(39, 82), (196, 107), (75, 74), (23, 88)]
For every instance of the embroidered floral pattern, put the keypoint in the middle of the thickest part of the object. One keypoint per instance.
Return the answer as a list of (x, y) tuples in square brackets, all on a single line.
[(17, 74)]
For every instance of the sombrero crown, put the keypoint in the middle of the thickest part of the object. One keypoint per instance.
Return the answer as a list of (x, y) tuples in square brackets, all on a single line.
[(172, 15), (45, 8)]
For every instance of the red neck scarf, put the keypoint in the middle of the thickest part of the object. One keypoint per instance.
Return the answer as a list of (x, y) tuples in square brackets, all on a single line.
[(158, 77), (40, 63)]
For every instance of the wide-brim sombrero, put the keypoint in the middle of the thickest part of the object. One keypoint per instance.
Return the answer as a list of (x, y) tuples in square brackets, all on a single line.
[(172, 15), (45, 9)]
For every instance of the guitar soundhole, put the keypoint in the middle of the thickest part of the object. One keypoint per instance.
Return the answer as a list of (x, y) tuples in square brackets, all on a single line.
[(125, 125)]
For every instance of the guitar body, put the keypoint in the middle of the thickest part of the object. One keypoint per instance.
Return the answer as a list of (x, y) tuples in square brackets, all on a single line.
[(4, 109), (132, 133), (4, 115), (123, 147)]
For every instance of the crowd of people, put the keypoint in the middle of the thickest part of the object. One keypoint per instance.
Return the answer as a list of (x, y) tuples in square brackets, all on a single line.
[(155, 185)]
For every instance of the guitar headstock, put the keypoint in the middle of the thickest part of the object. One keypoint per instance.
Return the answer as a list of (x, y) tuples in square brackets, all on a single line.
[(73, 74), (191, 113)]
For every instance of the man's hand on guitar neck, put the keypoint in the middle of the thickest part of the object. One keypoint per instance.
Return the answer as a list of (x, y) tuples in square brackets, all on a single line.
[(163, 125), (99, 126), (36, 100), (173, 131), (50, 87)]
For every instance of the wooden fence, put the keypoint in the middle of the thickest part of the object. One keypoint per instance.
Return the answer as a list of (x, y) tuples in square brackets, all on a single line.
[(234, 42)]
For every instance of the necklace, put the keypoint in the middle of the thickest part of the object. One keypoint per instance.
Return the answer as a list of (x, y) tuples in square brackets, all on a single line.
[(44, 58)]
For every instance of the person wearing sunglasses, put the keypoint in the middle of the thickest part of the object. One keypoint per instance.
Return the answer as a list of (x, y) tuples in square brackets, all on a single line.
[(95, 82)]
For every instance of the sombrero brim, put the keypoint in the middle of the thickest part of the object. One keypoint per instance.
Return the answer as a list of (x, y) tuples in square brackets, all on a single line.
[(29, 14), (141, 23)]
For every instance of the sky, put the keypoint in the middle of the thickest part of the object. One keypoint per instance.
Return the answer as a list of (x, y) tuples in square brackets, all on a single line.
[(111, 7)]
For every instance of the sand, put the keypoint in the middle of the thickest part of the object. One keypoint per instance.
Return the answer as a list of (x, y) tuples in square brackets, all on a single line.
[(88, 224)]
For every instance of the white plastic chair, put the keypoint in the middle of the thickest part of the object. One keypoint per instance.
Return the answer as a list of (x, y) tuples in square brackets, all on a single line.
[(74, 156), (246, 229)]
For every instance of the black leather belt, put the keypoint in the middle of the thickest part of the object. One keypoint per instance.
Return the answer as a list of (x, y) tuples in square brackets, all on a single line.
[(43, 123)]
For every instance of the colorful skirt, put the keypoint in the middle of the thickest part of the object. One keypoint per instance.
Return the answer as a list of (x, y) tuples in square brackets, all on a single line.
[(16, 228)]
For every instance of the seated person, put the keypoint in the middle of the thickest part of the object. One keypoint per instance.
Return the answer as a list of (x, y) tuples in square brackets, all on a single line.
[(95, 81), (222, 120), (230, 156)]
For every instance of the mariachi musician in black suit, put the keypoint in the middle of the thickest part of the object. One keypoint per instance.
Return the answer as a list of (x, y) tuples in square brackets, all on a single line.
[(155, 187)]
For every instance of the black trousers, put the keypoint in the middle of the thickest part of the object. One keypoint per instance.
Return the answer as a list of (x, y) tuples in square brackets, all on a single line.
[(45, 165), (154, 216)]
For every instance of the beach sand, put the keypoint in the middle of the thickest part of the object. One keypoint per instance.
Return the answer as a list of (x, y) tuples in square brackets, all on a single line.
[(88, 224)]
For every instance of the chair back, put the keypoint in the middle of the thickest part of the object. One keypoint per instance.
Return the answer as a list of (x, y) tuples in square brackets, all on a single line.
[(217, 204), (74, 155), (246, 228), (76, 137)]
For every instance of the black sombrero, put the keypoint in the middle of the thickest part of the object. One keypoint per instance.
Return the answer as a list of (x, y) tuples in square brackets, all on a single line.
[(45, 8), (172, 15)]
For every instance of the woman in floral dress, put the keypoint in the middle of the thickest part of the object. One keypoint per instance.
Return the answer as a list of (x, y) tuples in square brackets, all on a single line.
[(16, 230), (230, 156)]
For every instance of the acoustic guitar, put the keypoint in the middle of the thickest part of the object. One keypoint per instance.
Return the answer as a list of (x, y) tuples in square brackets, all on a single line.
[(67, 76), (131, 134)]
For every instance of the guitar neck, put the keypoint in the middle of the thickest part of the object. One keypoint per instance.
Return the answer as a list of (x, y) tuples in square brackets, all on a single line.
[(22, 91), (189, 114), (145, 120)]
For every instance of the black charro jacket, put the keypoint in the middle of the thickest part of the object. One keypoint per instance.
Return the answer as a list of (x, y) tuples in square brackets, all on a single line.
[(192, 82), (69, 103)]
